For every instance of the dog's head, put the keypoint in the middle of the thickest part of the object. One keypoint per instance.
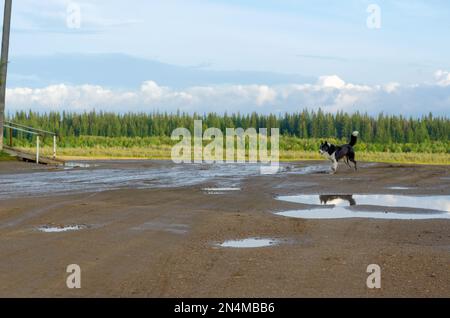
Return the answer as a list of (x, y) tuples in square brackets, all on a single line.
[(324, 147)]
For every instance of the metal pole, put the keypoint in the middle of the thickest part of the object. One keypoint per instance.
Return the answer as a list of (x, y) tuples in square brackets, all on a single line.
[(37, 149), (54, 147), (4, 64), (10, 137)]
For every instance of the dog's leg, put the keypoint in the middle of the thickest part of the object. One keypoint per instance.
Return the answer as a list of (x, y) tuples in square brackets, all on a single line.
[(352, 159), (354, 162), (335, 166), (347, 162)]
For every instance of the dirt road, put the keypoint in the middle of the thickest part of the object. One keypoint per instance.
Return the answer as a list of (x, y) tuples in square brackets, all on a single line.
[(162, 241)]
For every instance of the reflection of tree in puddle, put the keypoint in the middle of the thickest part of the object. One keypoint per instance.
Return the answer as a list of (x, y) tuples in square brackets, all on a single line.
[(328, 199)]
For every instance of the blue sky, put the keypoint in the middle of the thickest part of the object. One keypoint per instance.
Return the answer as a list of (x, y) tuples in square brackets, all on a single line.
[(257, 55)]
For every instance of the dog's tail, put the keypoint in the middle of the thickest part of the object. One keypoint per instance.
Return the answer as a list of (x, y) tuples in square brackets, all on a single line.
[(354, 138)]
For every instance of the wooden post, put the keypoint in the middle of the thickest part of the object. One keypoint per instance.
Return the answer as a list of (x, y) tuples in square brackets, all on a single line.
[(54, 147), (10, 137), (37, 149), (4, 64)]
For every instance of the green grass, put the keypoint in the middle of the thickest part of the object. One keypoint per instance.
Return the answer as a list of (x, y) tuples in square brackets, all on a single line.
[(5, 157), (164, 152), (287, 143), (291, 149)]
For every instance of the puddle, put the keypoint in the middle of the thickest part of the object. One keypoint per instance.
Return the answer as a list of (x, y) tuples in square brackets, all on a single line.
[(61, 229), (220, 190), (345, 206), (134, 176), (164, 227), (441, 203), (250, 243), (399, 188), (71, 165), (318, 169), (309, 169), (344, 213)]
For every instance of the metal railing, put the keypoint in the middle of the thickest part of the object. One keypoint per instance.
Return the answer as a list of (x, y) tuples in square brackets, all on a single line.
[(32, 131)]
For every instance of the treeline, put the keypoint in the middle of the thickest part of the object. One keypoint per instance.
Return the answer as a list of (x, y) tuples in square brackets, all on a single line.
[(380, 129)]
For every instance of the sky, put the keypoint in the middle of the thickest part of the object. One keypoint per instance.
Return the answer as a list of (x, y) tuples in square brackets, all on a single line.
[(269, 56)]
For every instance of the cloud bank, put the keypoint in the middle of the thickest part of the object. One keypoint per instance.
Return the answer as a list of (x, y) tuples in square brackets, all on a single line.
[(442, 78), (331, 93)]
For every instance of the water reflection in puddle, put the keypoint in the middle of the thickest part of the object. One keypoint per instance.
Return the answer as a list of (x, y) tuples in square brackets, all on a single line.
[(249, 243), (220, 190), (313, 169), (71, 165), (399, 188), (318, 169), (163, 227), (101, 179), (441, 203), (344, 213), (336, 206), (61, 229)]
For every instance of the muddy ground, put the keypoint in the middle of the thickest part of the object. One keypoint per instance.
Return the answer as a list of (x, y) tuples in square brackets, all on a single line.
[(163, 241)]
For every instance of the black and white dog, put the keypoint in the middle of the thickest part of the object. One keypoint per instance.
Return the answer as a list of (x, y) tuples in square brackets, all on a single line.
[(336, 153)]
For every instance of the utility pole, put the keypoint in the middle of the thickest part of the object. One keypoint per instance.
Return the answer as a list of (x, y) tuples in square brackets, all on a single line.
[(4, 64)]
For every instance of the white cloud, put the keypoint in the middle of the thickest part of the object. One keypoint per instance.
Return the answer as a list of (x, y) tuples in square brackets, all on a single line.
[(335, 82), (331, 93), (151, 91), (391, 87), (442, 78), (332, 81)]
